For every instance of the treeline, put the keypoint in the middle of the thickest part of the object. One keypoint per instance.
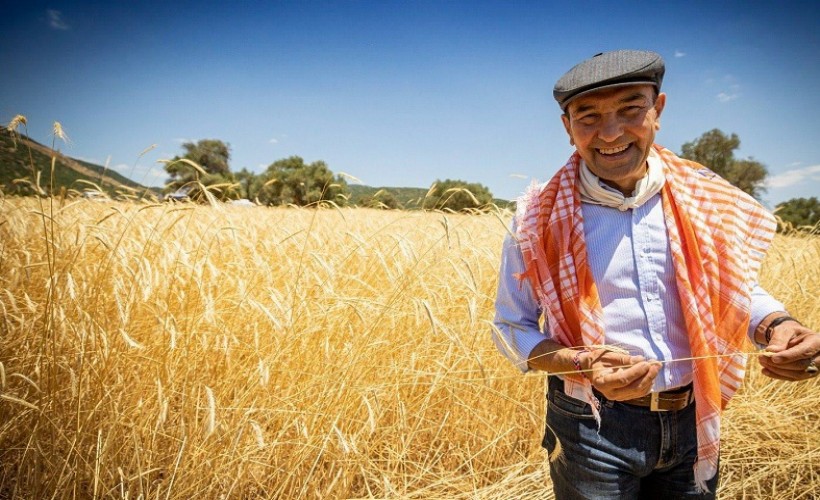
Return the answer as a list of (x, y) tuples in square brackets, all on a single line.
[(715, 150), (28, 168), (204, 170)]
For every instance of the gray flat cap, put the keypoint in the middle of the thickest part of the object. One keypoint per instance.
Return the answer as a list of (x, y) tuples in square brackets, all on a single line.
[(609, 69)]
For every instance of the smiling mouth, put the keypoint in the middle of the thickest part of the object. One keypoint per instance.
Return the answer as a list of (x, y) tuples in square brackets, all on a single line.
[(613, 151)]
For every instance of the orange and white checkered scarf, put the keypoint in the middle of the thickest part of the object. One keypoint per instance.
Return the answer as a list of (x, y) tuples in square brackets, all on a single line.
[(718, 237)]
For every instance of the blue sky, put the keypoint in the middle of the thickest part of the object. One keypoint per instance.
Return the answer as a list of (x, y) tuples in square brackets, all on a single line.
[(401, 93)]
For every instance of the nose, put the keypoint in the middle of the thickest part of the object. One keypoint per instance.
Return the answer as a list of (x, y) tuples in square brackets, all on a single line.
[(611, 128)]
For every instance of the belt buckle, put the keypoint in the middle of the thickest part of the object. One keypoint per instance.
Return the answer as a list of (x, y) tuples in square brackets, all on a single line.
[(654, 398)]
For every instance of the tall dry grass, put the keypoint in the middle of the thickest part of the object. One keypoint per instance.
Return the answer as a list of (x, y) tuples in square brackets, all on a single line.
[(181, 351)]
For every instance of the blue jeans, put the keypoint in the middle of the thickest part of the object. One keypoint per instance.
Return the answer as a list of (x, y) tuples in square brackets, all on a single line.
[(636, 454)]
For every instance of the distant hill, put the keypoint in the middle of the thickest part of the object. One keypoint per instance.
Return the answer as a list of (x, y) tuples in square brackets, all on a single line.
[(409, 197), (21, 160)]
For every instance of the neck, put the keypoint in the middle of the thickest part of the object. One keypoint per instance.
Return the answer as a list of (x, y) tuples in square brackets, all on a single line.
[(626, 188), (628, 192)]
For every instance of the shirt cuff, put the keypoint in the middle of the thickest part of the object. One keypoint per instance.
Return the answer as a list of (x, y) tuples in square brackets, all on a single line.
[(762, 306), (516, 343)]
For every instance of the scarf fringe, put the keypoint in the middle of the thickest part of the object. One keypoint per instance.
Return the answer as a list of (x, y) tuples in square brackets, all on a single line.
[(704, 471)]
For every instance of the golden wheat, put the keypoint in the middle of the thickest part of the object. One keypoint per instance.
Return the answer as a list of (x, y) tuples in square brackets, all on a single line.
[(179, 351), (15, 123)]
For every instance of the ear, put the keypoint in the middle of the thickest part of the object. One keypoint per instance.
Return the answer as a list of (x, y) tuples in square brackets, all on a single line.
[(660, 103), (565, 120)]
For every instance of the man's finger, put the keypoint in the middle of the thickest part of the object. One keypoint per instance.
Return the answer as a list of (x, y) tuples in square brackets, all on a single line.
[(771, 374), (609, 358), (622, 378), (799, 352), (795, 366), (643, 385), (618, 360), (788, 375)]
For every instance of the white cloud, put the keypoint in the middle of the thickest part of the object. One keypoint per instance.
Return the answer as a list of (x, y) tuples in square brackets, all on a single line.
[(794, 176), (182, 140), (55, 20), (157, 172), (731, 89), (273, 141), (679, 53), (122, 168), (89, 160), (726, 97)]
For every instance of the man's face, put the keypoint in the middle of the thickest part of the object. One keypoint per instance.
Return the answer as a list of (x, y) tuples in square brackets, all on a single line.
[(613, 130)]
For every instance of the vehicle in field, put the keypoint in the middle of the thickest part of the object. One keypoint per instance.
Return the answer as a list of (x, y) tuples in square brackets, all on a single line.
[(181, 194), (95, 195)]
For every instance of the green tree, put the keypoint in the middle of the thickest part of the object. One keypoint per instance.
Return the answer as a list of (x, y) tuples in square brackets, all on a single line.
[(715, 150), (457, 195), (204, 163), (247, 183), (292, 181), (212, 155), (800, 212)]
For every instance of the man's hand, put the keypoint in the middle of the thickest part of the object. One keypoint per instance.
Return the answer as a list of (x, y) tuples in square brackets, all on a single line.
[(619, 376), (795, 347)]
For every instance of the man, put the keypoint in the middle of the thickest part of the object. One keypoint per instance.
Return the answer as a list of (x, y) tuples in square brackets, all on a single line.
[(642, 267)]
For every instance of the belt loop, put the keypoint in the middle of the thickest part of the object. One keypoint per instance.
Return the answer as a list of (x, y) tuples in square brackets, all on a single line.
[(653, 401)]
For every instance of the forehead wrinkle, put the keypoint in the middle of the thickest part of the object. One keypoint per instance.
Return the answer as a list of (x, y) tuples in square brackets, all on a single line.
[(592, 102), (634, 97)]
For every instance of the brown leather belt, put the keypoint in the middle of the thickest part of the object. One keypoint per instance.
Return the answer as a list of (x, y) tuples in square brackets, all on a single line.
[(676, 399)]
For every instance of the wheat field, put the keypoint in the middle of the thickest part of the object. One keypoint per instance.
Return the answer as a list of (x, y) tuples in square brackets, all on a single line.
[(194, 351)]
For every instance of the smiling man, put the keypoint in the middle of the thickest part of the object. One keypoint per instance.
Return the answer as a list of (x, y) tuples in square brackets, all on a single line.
[(633, 274), (613, 131)]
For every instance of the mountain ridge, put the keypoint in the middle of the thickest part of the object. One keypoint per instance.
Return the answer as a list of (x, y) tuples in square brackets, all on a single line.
[(23, 158), (26, 168)]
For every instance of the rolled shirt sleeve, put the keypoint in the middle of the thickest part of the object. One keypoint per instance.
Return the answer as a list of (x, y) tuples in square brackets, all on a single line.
[(517, 313), (763, 305)]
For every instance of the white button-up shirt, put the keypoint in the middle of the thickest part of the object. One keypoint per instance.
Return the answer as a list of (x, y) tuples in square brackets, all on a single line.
[(632, 266)]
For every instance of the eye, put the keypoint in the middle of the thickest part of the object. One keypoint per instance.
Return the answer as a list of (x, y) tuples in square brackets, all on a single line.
[(588, 119), (633, 111)]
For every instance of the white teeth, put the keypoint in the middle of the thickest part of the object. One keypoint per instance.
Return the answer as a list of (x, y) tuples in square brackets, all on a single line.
[(612, 151)]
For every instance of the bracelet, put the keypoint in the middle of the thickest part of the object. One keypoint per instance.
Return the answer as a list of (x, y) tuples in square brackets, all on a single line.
[(576, 361), (775, 322)]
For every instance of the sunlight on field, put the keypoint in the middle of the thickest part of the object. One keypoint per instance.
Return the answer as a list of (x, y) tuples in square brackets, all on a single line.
[(182, 351)]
